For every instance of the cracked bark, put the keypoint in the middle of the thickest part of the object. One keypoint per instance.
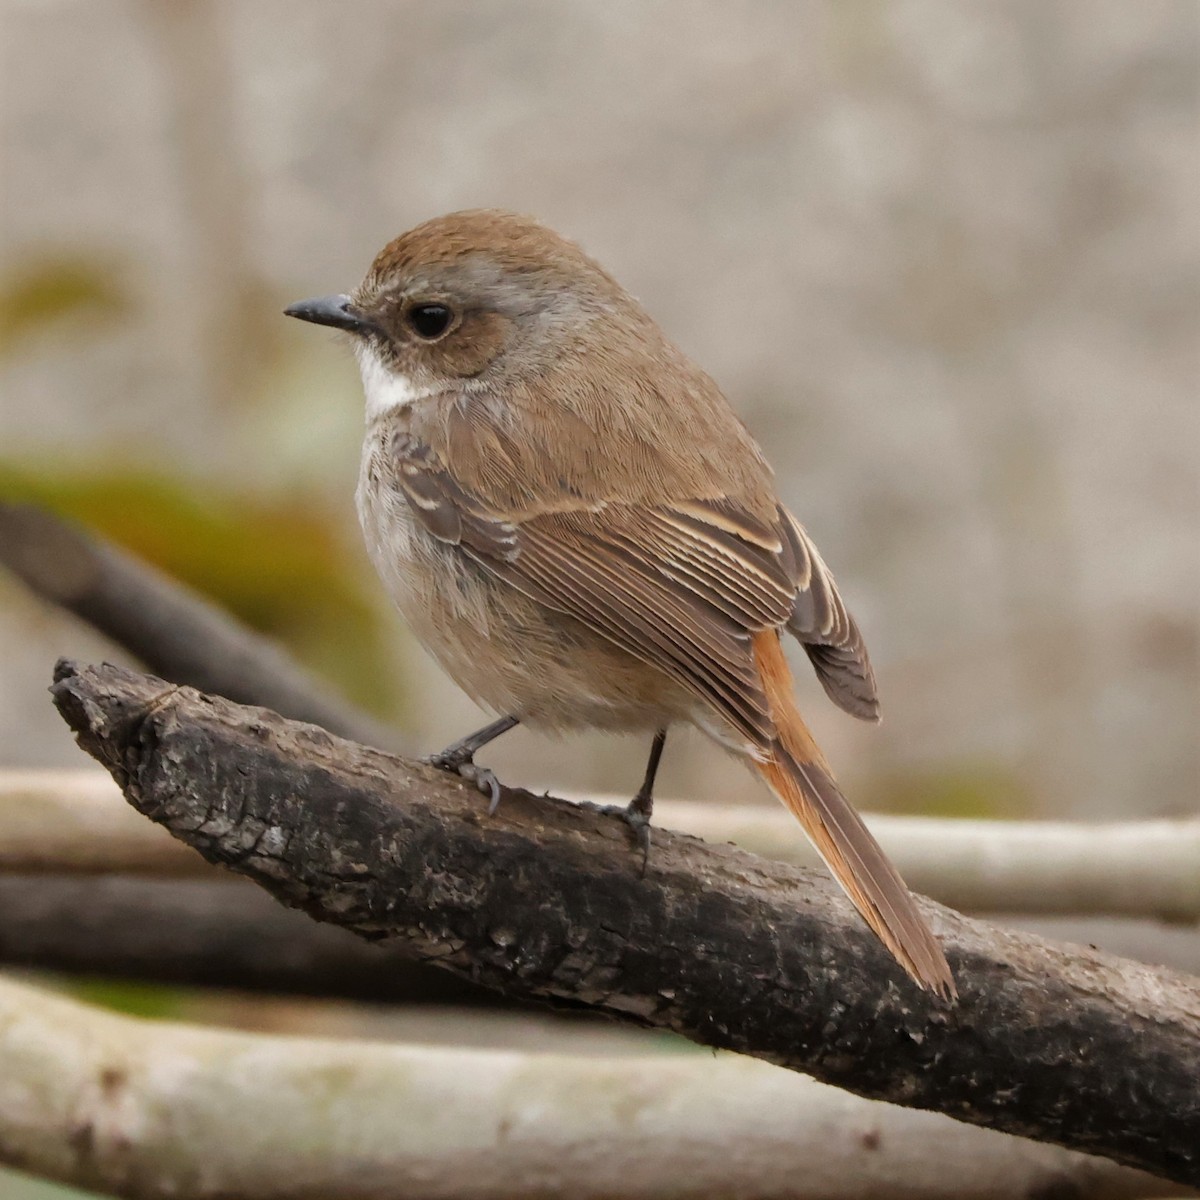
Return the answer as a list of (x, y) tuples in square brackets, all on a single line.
[(544, 902), (225, 932)]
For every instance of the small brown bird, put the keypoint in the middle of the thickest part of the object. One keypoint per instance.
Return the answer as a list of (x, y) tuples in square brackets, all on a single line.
[(575, 523)]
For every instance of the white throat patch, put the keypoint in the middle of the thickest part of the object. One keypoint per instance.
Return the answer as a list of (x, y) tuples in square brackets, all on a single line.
[(385, 390)]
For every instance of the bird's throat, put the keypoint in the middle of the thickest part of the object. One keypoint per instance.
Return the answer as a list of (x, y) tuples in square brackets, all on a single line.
[(386, 391)]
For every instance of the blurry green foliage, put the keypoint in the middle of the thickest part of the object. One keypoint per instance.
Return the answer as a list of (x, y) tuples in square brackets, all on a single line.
[(979, 790), (135, 999), (53, 289), (281, 565), (16, 1186)]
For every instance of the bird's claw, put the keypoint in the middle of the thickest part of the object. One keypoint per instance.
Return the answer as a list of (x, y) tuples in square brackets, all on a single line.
[(465, 767), (634, 815), (484, 778)]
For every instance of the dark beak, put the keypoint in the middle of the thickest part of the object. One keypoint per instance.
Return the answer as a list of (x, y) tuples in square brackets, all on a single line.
[(336, 311)]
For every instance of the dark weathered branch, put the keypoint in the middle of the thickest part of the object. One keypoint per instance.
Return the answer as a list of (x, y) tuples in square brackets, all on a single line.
[(544, 901), (226, 933), (176, 633)]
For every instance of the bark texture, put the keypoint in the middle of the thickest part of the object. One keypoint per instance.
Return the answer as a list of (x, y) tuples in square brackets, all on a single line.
[(545, 902), (225, 932)]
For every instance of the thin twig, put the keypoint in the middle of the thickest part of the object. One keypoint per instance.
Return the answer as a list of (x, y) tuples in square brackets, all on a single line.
[(175, 632)]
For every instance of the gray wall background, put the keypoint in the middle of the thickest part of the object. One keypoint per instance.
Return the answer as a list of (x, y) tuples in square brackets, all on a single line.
[(942, 256)]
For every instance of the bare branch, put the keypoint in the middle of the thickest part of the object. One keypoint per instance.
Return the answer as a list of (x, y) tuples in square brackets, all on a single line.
[(223, 932), (1126, 868), (175, 632), (227, 933), (155, 1110), (544, 901), (65, 821), (74, 822)]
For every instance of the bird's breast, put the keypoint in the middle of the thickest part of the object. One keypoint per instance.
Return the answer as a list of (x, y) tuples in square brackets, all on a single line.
[(432, 582), (508, 652)]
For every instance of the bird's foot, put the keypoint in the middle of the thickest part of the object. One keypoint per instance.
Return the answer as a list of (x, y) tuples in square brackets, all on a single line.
[(635, 814), (461, 762)]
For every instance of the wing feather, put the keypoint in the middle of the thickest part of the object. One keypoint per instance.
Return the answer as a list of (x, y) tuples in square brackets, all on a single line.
[(642, 615), (683, 585), (829, 634)]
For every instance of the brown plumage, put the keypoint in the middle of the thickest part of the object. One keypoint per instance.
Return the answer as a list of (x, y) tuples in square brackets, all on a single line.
[(798, 774), (580, 529)]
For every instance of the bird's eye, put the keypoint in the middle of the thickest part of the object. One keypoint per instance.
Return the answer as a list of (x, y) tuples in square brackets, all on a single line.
[(429, 321)]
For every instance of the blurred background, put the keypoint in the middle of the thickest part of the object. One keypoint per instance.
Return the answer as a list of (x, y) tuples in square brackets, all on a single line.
[(944, 259)]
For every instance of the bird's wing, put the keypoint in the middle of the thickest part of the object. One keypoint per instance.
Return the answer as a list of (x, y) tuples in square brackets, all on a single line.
[(683, 585), (698, 588), (827, 631)]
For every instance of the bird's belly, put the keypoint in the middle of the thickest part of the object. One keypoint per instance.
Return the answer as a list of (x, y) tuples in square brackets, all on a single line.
[(509, 653)]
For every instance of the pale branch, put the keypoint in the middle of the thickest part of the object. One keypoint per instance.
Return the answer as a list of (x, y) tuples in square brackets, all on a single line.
[(176, 633), (1118, 868), (545, 901), (89, 886), (157, 1110), (63, 821), (75, 822)]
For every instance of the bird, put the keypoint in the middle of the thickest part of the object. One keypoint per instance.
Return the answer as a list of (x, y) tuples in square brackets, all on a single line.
[(573, 520)]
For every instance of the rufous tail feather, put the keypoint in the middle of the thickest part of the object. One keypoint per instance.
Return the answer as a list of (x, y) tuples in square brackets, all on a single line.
[(798, 774)]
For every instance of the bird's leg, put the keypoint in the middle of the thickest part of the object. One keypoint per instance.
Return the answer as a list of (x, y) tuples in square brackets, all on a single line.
[(459, 759), (636, 814)]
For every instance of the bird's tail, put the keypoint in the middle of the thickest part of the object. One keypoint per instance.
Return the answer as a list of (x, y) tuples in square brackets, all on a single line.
[(798, 774)]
